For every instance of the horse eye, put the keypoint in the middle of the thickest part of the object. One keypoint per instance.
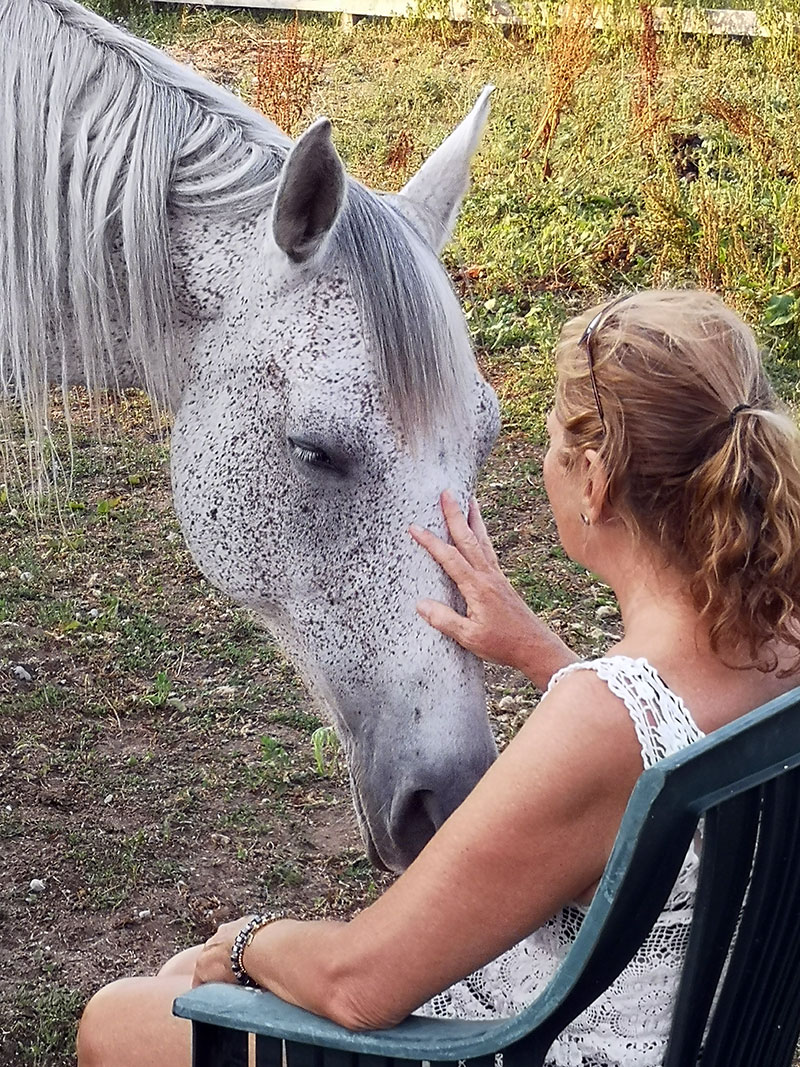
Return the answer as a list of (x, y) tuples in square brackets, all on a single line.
[(314, 456)]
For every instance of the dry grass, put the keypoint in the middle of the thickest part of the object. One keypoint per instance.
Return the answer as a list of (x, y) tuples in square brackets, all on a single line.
[(398, 158), (286, 72), (708, 246), (749, 127), (569, 58), (649, 118)]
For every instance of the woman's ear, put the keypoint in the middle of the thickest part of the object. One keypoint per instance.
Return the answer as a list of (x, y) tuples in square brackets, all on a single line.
[(595, 487)]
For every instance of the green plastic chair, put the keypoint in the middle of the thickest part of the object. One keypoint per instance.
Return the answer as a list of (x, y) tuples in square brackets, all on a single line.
[(744, 780)]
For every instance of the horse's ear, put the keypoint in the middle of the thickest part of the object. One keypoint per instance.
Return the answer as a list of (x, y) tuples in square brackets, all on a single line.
[(310, 193), (437, 189)]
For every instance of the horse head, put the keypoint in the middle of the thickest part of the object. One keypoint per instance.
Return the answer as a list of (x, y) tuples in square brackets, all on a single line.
[(330, 395)]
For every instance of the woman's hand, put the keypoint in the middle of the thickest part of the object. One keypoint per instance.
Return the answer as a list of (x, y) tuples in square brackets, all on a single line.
[(498, 625), (300, 962), (214, 962)]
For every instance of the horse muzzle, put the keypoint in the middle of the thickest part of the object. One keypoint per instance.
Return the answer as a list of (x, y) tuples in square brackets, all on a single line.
[(398, 818)]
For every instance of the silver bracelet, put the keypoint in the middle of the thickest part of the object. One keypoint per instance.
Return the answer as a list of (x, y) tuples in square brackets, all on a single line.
[(242, 940)]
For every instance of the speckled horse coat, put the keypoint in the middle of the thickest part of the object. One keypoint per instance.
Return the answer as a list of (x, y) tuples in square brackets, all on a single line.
[(155, 232)]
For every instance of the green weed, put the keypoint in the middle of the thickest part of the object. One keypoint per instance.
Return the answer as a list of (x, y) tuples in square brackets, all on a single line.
[(142, 18), (160, 693), (327, 752)]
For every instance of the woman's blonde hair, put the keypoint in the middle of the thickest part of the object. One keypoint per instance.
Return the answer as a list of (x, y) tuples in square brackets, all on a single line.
[(701, 457)]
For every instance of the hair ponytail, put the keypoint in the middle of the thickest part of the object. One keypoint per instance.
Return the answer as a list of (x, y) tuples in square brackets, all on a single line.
[(743, 534)]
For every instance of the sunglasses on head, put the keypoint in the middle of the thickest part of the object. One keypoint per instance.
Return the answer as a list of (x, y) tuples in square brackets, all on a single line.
[(586, 342)]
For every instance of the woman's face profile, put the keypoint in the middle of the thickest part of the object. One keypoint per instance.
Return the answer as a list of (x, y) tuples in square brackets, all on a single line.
[(563, 485)]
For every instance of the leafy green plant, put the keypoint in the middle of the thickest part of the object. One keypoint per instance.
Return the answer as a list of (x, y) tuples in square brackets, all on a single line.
[(782, 310), (274, 759), (160, 692), (327, 751), (106, 507), (781, 323)]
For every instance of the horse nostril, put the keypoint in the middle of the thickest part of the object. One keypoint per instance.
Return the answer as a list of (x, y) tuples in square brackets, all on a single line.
[(415, 819)]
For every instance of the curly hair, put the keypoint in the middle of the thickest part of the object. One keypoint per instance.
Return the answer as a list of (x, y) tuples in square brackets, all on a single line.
[(702, 459)]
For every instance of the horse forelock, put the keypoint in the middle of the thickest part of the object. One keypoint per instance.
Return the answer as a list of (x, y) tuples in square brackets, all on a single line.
[(409, 312)]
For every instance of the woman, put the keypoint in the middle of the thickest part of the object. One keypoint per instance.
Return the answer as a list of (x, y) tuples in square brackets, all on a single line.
[(674, 476)]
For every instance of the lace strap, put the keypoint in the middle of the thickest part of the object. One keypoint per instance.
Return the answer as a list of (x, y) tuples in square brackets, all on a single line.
[(662, 721)]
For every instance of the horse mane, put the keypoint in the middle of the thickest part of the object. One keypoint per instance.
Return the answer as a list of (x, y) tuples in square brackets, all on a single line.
[(100, 148)]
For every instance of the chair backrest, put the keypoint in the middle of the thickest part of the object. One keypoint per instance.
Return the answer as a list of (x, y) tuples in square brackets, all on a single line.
[(739, 997)]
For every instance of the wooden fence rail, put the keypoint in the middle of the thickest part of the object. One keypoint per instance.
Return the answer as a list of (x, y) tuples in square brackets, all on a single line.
[(718, 21)]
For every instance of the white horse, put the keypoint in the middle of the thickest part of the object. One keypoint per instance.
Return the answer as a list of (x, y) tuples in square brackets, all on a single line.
[(155, 232)]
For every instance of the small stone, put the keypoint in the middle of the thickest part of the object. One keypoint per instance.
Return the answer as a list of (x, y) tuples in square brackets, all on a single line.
[(25, 576), (507, 703), (606, 611), (145, 913), (21, 674), (108, 798), (37, 886)]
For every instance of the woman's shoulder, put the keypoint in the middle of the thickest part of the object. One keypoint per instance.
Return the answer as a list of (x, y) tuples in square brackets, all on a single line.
[(662, 722), (633, 679)]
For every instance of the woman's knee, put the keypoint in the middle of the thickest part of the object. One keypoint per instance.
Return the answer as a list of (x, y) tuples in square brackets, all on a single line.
[(129, 1023), (99, 1029)]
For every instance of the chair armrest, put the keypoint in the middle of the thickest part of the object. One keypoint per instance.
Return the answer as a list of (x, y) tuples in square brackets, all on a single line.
[(259, 1012)]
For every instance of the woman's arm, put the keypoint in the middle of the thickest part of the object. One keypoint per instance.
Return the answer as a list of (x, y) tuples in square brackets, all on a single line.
[(498, 625), (533, 835)]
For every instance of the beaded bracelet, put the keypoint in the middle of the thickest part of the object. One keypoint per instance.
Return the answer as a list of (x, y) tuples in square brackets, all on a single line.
[(242, 940)]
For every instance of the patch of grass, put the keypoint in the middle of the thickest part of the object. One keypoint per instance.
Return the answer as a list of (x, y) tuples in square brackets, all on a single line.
[(287, 875), (111, 866), (157, 25), (297, 718), (359, 871), (38, 1024), (540, 592), (607, 204)]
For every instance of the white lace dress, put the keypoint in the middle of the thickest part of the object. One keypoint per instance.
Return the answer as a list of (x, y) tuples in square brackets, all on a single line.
[(628, 1025)]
